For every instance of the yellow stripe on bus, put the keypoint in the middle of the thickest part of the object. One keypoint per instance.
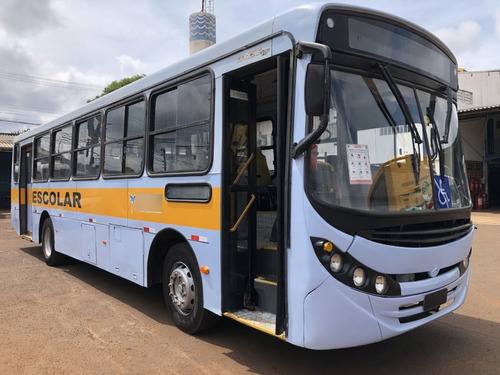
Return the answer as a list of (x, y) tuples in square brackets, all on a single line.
[(14, 195), (143, 204), (199, 215)]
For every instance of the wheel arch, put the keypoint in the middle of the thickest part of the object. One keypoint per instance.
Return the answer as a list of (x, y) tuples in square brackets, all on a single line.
[(44, 216), (159, 249)]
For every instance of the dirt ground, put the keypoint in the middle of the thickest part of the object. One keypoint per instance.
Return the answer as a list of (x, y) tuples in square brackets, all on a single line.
[(76, 319)]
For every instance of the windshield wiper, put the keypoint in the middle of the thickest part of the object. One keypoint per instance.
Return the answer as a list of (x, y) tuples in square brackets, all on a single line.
[(401, 101), (436, 141), (449, 106), (380, 103), (415, 159)]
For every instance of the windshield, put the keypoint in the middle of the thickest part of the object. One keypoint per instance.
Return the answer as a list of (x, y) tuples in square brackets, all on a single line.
[(379, 154)]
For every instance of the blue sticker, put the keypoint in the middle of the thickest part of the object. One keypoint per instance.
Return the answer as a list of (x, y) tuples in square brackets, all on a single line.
[(443, 199)]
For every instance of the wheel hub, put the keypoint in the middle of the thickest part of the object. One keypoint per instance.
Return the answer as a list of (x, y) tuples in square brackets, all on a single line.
[(46, 242), (181, 288)]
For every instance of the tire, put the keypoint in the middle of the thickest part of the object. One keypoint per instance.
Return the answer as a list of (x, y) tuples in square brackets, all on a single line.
[(183, 291), (51, 256)]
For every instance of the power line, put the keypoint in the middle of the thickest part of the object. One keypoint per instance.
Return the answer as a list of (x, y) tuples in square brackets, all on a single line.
[(49, 82), (19, 122), (22, 108), (26, 115)]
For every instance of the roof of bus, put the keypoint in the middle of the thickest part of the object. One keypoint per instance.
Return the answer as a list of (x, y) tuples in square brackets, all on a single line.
[(301, 22)]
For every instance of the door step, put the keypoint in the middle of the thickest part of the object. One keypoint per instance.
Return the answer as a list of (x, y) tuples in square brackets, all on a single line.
[(27, 237), (266, 288), (265, 223), (264, 321)]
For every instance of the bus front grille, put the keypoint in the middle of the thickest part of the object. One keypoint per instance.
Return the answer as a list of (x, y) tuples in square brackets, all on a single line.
[(420, 235)]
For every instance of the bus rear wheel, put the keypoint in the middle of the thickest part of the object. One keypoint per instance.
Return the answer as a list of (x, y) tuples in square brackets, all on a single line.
[(51, 256), (183, 291)]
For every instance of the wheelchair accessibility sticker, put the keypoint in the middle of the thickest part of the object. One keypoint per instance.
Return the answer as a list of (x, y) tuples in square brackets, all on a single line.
[(443, 198)]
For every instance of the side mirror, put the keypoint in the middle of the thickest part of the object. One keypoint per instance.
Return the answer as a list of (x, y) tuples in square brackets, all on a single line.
[(315, 94)]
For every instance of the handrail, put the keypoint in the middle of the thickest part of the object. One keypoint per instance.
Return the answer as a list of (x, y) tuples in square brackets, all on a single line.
[(243, 214), (245, 167)]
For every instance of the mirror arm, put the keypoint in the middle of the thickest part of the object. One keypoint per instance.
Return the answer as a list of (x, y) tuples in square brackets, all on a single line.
[(308, 140), (310, 47)]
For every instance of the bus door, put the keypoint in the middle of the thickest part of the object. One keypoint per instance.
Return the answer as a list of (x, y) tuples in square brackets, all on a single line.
[(25, 218), (253, 278), (240, 193)]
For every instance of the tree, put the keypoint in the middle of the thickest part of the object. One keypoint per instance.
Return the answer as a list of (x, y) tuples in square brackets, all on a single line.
[(115, 85)]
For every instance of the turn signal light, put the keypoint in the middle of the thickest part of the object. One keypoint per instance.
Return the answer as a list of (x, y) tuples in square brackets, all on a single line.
[(327, 247)]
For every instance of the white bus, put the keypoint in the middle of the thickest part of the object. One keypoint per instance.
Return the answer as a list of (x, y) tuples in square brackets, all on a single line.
[(305, 178)]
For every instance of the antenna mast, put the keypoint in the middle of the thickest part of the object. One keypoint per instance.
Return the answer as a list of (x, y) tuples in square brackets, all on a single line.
[(207, 6)]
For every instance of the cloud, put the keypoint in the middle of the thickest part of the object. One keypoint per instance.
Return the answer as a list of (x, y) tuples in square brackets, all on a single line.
[(130, 66), (466, 37), (29, 17), (497, 22)]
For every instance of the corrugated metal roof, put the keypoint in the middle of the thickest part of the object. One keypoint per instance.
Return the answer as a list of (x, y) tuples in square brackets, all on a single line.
[(6, 141), (479, 109)]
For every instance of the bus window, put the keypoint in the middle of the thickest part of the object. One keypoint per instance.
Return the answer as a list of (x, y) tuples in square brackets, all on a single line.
[(180, 131), (265, 141), (87, 149), (124, 147), (61, 154), (16, 164), (41, 159)]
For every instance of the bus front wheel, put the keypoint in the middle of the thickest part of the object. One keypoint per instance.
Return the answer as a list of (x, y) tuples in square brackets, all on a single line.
[(183, 291), (52, 257)]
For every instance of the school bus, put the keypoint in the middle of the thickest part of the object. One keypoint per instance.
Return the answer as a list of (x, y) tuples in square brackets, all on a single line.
[(305, 177)]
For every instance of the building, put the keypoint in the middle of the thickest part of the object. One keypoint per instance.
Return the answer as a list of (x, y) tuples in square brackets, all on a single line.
[(479, 122), (6, 141)]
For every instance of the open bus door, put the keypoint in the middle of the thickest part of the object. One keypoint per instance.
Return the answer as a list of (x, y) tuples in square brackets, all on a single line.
[(240, 194), (24, 188), (253, 280)]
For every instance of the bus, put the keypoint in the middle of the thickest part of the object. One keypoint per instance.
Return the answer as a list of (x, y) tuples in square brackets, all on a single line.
[(305, 178)]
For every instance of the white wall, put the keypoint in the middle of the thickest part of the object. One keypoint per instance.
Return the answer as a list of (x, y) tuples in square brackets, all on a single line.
[(484, 86)]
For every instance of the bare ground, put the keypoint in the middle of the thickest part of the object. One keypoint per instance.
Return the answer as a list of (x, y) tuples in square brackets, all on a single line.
[(76, 319)]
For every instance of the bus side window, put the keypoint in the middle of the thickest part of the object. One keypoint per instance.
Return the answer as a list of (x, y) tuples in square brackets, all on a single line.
[(124, 143), (41, 158), (199, 149), (87, 155), (61, 154), (163, 155), (180, 131)]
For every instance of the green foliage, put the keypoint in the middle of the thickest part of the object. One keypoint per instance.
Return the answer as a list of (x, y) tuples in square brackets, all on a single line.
[(115, 85)]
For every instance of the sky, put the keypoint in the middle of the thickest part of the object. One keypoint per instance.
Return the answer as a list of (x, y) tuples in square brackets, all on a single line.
[(57, 54)]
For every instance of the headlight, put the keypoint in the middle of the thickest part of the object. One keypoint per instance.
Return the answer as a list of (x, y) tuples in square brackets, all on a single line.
[(464, 264), (336, 262), (359, 277), (381, 284), (346, 269)]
